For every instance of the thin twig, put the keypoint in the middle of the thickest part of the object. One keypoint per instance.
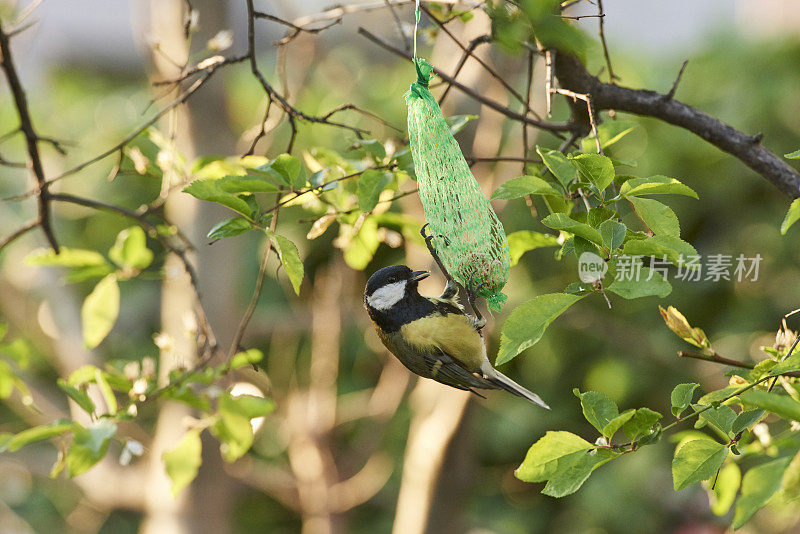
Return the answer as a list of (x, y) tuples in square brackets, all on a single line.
[(601, 17), (19, 232), (400, 30), (504, 110), (674, 88), (529, 84), (473, 44), (237, 337), (480, 62)]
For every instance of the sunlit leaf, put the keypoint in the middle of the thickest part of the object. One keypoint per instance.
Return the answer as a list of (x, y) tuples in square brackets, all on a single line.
[(758, 485), (183, 462), (527, 323), (99, 311), (130, 249), (89, 445), (522, 186), (524, 240), (290, 259), (229, 228), (695, 461), (681, 397), (657, 216)]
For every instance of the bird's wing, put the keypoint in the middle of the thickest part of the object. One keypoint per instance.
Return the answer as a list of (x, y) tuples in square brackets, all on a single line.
[(441, 367)]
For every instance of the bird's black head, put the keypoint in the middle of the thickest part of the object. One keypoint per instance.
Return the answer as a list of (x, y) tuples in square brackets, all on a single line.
[(390, 285)]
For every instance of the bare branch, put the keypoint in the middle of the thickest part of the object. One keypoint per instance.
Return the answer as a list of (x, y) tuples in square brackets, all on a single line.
[(31, 137), (553, 127)]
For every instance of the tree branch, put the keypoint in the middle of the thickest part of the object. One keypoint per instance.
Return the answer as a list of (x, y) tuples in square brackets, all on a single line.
[(504, 110), (31, 138), (573, 75)]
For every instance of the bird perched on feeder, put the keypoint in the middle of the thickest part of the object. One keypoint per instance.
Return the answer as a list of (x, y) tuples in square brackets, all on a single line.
[(433, 337)]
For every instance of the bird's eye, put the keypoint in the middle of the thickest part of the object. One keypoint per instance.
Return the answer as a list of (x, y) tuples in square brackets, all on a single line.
[(392, 280)]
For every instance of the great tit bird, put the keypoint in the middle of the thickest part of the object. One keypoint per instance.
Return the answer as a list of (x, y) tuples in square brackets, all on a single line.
[(433, 337)]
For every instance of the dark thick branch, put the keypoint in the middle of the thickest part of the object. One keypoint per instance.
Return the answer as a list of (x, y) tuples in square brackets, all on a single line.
[(31, 138), (573, 75)]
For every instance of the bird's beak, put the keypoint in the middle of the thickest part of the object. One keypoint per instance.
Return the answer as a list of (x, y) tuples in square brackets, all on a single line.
[(416, 276)]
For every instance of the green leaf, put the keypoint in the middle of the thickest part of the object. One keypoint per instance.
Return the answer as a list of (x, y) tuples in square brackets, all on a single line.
[(289, 170), (618, 422), (790, 481), (598, 409), (609, 132), (595, 168), (649, 283), (524, 240), (526, 324), (233, 426), (721, 497), (246, 184), (130, 249), (18, 350), (558, 164), (790, 364), (252, 406), (560, 221), (657, 216), (542, 460), (681, 397), (745, 419), (370, 185), (522, 186), (457, 122), (792, 155), (791, 216), (107, 392), (613, 234), (758, 485), (642, 421), (5, 439), (78, 395), (7, 380), (782, 405), (39, 433), (721, 417), (575, 469), (229, 228), (99, 311), (695, 461), (245, 358), (362, 245), (290, 259), (372, 146), (89, 445), (674, 248), (211, 191), (67, 257), (655, 185), (183, 462)]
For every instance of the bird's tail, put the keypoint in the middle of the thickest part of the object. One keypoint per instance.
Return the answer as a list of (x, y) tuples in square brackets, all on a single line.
[(503, 382)]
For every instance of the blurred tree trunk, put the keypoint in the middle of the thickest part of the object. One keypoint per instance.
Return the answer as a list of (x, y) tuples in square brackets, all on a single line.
[(195, 129)]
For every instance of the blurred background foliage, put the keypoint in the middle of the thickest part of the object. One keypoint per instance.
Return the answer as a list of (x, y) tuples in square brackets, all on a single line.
[(625, 352)]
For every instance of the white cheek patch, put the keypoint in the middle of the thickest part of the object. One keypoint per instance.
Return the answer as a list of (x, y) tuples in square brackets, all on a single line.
[(387, 296)]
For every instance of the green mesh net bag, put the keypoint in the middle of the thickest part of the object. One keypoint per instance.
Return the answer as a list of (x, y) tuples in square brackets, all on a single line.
[(467, 235)]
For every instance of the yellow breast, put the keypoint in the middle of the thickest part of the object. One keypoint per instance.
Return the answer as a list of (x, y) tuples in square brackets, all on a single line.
[(452, 333)]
